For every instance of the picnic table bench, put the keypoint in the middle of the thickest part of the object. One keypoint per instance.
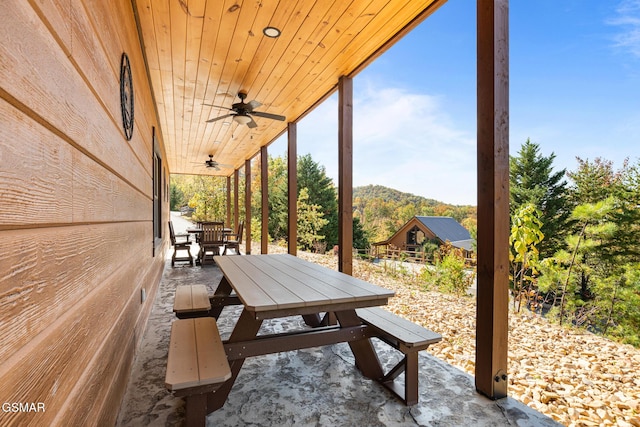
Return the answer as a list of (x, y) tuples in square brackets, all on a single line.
[(196, 365), (405, 336), (194, 301)]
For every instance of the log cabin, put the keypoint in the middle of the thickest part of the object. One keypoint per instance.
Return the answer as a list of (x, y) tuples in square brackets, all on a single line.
[(101, 101), (419, 230)]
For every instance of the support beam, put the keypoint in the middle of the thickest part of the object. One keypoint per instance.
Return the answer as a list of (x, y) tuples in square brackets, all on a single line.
[(292, 185), (264, 196), (247, 205), (229, 202), (493, 198), (236, 197), (345, 174)]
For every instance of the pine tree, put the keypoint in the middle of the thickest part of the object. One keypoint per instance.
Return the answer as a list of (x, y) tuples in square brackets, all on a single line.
[(532, 180), (597, 180), (596, 280)]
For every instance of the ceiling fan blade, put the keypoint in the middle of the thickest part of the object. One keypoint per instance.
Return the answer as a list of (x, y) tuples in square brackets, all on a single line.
[(254, 104), (252, 124), (219, 118), (217, 106), (269, 116)]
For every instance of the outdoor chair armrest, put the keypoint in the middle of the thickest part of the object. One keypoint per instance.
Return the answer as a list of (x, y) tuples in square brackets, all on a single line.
[(227, 235)]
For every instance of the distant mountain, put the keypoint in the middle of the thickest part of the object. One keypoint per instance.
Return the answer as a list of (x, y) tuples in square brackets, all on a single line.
[(390, 194)]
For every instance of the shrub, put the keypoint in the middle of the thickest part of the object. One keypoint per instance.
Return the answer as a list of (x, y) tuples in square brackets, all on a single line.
[(448, 274)]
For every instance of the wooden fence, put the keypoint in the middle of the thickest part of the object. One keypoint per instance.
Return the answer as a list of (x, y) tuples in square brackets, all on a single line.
[(396, 254)]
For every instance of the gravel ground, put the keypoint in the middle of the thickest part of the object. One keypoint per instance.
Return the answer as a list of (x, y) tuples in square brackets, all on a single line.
[(575, 377)]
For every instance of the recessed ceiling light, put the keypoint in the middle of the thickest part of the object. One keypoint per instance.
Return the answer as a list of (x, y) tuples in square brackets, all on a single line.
[(272, 32)]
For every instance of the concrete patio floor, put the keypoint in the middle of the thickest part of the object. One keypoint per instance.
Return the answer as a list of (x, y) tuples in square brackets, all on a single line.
[(313, 387)]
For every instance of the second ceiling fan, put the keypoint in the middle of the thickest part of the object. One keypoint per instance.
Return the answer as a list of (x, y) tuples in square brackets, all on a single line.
[(243, 112)]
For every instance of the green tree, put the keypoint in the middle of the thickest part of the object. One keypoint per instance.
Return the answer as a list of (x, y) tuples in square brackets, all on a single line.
[(310, 222), (322, 192), (525, 235), (594, 181), (176, 199), (360, 237), (206, 194), (590, 217), (607, 297), (278, 199), (532, 180), (623, 321)]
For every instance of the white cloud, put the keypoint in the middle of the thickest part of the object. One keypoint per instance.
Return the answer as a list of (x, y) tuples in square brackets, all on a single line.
[(402, 140), (628, 19)]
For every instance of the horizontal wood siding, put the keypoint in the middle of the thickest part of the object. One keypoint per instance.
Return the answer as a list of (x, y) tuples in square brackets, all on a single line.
[(76, 218)]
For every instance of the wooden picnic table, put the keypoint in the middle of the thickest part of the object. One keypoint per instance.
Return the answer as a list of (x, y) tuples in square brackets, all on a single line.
[(279, 285)]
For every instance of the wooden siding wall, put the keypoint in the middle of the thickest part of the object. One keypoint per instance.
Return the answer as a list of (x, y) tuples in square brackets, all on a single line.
[(75, 213)]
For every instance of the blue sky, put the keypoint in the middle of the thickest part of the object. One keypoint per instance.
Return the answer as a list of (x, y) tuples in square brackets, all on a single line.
[(574, 90)]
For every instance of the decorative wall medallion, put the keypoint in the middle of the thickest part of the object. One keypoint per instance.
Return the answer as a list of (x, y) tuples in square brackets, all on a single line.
[(126, 96)]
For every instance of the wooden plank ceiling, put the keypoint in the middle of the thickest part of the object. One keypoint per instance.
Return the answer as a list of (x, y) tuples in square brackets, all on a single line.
[(206, 51)]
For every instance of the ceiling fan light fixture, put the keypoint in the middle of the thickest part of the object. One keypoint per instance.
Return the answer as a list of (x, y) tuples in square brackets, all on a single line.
[(272, 32), (242, 119)]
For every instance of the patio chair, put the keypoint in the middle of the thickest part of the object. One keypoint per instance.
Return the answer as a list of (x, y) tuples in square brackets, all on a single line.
[(180, 242), (233, 240), (211, 240), (198, 225)]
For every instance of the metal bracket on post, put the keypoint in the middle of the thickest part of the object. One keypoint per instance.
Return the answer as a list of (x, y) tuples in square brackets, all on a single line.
[(500, 384)]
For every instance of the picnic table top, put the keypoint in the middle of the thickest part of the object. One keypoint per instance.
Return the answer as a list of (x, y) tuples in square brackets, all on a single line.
[(275, 285)]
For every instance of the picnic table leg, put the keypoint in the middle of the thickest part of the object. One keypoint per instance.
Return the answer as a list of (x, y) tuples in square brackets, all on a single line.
[(246, 328), (366, 357), (312, 320), (223, 290), (196, 411), (411, 378)]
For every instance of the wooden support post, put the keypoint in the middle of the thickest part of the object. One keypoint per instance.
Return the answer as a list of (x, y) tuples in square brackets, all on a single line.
[(493, 198), (236, 197), (247, 205), (345, 174), (292, 185), (264, 198), (229, 202)]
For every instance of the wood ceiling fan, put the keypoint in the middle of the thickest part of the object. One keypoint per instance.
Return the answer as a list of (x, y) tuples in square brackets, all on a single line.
[(243, 112)]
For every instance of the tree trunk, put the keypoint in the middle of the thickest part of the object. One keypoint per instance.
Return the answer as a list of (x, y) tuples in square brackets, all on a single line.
[(566, 283), (613, 302)]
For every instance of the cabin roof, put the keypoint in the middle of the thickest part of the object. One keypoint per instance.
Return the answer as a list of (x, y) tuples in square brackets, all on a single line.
[(445, 228)]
